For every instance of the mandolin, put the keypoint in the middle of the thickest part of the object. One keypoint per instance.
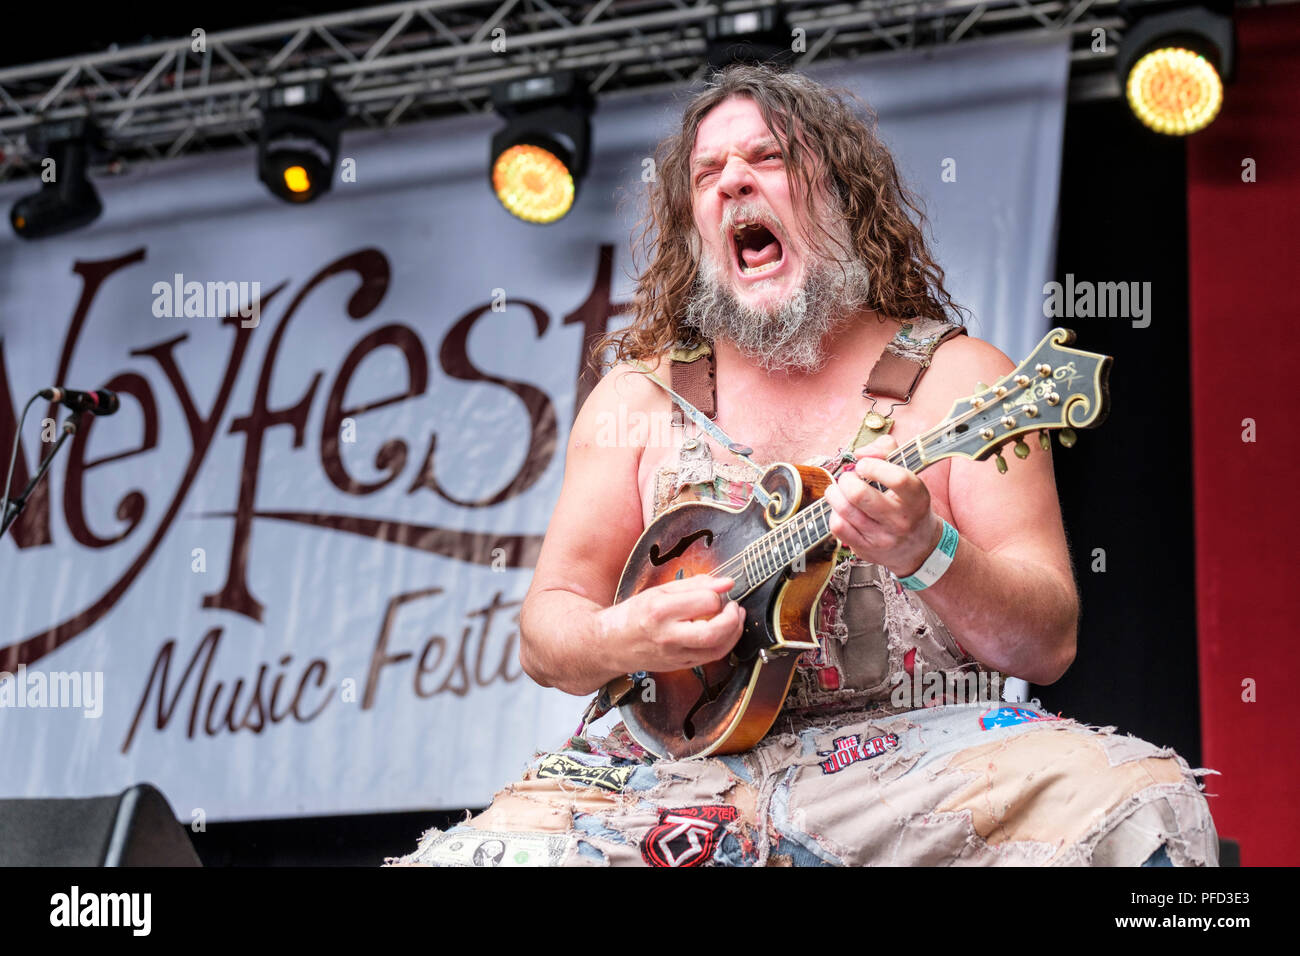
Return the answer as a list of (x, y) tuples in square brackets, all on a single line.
[(780, 552)]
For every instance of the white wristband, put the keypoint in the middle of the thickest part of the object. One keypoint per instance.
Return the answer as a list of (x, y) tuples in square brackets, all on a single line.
[(936, 564)]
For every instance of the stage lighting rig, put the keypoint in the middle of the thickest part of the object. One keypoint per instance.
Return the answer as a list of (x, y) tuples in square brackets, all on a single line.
[(538, 159), (754, 36), (298, 147), (1173, 64), (67, 199)]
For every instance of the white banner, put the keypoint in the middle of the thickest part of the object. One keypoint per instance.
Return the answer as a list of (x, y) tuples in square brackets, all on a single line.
[(285, 577)]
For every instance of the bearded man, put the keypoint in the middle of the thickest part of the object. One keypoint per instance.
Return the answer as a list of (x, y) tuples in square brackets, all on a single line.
[(785, 269)]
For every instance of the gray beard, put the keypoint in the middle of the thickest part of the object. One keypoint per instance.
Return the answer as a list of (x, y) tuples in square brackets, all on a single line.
[(791, 339)]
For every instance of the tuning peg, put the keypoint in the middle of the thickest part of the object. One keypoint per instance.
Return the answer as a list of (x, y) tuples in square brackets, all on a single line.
[(980, 387), (1044, 442), (1021, 449), (1002, 463), (1068, 437)]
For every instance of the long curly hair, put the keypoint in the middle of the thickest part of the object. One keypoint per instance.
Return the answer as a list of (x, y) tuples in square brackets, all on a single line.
[(817, 130)]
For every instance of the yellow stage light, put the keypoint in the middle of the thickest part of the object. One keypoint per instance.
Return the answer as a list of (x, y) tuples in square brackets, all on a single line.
[(533, 183), (296, 179), (1174, 91)]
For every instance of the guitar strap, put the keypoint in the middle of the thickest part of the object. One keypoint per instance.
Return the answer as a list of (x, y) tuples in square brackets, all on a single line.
[(896, 374), (693, 373)]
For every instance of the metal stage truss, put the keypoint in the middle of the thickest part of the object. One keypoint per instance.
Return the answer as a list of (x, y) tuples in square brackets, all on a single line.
[(405, 62)]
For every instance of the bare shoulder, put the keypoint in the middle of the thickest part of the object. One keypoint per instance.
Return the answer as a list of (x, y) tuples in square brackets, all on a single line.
[(623, 388), (966, 353), (962, 361)]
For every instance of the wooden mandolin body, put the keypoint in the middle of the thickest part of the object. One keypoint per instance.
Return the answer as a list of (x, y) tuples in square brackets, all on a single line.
[(727, 706)]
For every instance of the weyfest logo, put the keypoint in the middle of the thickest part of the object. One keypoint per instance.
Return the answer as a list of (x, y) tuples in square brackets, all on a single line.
[(205, 381)]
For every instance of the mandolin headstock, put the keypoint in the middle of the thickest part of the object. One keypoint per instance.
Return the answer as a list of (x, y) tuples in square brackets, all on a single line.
[(1055, 389)]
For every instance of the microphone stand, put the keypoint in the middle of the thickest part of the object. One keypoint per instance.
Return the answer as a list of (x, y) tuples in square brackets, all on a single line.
[(14, 506)]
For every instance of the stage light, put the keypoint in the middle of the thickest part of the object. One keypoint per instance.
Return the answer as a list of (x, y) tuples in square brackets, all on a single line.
[(539, 158), (297, 149), (67, 199), (1173, 66), (534, 183), (1173, 90), (297, 179)]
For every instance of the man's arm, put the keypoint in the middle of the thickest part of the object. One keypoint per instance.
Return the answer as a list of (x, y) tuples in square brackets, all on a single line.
[(570, 635), (1009, 595)]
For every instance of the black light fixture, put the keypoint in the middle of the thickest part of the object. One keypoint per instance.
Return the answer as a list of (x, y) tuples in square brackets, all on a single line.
[(1173, 63), (67, 199), (298, 147), (538, 159), (754, 36)]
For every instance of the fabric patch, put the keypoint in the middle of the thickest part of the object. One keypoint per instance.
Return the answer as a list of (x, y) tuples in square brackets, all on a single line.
[(694, 463), (1010, 716), (917, 338), (690, 351), (1059, 791), (606, 778), (849, 750), (494, 848), (687, 836)]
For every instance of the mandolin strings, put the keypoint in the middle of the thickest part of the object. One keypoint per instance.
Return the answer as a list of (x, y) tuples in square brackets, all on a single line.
[(765, 556)]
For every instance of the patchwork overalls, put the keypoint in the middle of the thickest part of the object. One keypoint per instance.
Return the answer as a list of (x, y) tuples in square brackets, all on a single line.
[(848, 775)]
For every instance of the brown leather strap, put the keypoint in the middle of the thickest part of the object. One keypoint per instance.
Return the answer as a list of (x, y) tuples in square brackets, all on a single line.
[(694, 381), (897, 375)]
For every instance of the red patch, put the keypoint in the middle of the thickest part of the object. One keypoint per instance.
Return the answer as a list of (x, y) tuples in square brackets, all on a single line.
[(686, 836), (828, 678), (849, 750)]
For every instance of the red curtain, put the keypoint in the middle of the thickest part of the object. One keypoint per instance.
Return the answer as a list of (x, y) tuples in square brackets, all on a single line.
[(1244, 260)]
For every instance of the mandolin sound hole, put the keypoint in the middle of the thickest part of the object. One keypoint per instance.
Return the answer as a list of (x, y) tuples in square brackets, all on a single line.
[(658, 557)]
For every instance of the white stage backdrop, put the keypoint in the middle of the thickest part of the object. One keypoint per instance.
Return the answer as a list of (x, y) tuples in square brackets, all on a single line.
[(289, 570)]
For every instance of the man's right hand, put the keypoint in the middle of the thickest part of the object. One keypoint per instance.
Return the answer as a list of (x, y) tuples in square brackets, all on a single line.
[(672, 626)]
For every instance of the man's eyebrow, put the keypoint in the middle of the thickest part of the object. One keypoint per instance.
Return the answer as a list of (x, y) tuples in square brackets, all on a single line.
[(764, 145)]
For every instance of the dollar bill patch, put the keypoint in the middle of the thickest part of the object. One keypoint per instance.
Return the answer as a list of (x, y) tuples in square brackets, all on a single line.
[(494, 848)]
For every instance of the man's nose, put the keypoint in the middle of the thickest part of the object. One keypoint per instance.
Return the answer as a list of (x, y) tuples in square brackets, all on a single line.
[(736, 180)]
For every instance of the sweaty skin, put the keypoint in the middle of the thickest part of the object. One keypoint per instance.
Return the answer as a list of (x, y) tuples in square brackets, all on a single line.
[(1009, 596)]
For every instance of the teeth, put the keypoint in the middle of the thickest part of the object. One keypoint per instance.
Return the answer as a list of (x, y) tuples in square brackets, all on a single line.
[(757, 270)]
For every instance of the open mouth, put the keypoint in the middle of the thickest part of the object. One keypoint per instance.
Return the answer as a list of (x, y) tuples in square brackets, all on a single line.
[(757, 249)]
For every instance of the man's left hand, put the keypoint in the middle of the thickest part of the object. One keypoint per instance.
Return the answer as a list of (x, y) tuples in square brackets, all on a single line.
[(896, 528)]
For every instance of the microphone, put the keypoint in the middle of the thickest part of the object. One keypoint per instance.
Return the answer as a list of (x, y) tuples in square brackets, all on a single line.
[(99, 402)]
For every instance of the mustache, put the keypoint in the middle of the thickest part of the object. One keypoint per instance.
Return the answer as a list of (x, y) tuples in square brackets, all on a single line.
[(750, 211)]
